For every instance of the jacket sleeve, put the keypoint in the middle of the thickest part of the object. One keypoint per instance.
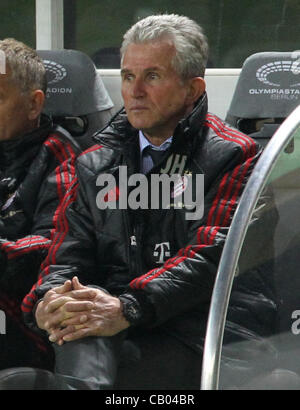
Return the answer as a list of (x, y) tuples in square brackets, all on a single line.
[(31, 249)]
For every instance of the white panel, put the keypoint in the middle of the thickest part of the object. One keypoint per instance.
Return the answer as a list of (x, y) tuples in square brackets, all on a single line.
[(49, 24), (220, 85)]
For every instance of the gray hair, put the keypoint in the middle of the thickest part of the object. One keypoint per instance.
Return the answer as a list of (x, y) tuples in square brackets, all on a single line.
[(27, 68), (187, 36)]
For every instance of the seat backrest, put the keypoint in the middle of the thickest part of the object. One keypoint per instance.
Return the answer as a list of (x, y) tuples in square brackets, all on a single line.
[(107, 57), (267, 91), (76, 96)]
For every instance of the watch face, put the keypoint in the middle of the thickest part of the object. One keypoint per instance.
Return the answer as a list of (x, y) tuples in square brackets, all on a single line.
[(130, 311)]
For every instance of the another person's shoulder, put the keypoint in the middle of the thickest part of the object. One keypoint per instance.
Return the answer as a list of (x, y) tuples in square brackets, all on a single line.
[(59, 143), (93, 158), (225, 138)]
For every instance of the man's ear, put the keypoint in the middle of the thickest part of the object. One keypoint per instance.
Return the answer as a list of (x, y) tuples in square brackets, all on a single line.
[(36, 104), (197, 87)]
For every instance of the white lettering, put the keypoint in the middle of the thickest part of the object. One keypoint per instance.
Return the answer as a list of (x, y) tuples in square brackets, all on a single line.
[(179, 164), (138, 197), (168, 165), (123, 187), (279, 91), (162, 183), (296, 324), (127, 400), (199, 200), (106, 197), (55, 90), (166, 191), (162, 250)]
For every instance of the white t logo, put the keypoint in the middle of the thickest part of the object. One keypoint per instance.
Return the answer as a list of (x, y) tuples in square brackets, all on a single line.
[(162, 250)]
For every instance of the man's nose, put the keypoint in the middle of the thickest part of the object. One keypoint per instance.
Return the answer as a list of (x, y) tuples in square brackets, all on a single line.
[(138, 88)]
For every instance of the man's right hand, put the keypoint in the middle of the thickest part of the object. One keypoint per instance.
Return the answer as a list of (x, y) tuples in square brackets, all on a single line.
[(51, 312)]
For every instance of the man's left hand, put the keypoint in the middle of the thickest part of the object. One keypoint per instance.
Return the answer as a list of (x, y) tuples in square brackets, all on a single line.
[(105, 318)]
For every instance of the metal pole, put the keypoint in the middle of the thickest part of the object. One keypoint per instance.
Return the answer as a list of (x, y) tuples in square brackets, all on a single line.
[(232, 248)]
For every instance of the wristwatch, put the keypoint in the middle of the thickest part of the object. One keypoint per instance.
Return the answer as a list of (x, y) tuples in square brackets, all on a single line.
[(131, 309)]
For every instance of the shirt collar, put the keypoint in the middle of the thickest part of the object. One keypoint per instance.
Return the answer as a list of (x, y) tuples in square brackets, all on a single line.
[(144, 142)]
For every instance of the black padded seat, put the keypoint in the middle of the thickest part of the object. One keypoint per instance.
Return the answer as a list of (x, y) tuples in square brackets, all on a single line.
[(267, 91), (76, 96), (26, 378)]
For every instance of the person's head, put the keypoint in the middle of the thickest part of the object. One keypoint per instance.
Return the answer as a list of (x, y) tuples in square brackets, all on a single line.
[(190, 43), (163, 59), (22, 89)]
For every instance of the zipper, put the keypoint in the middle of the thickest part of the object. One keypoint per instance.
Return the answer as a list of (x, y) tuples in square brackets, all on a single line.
[(131, 245), (137, 234), (134, 235), (133, 240)]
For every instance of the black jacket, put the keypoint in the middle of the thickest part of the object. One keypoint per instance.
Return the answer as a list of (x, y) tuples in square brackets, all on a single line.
[(30, 190), (122, 250)]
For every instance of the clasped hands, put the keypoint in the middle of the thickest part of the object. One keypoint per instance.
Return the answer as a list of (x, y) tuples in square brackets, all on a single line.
[(73, 311)]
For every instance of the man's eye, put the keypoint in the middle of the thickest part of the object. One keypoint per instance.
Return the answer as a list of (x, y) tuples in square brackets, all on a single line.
[(127, 77), (153, 76)]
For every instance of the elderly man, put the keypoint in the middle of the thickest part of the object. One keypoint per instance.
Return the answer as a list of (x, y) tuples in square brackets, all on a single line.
[(136, 274), (31, 152)]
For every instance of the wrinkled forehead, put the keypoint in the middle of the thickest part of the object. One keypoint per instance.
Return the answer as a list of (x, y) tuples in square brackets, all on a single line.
[(156, 42), (149, 53)]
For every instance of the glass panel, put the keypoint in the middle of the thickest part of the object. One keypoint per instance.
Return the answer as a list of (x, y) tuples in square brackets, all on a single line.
[(261, 348), (96, 27), (18, 20)]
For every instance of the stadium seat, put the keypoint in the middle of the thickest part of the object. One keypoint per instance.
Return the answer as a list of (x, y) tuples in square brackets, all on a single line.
[(26, 378), (267, 91), (76, 96), (107, 57)]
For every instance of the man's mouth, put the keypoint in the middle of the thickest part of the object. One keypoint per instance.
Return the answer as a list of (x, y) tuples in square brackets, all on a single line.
[(138, 108)]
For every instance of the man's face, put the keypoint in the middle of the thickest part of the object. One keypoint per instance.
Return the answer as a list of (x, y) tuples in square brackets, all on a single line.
[(155, 97), (14, 108)]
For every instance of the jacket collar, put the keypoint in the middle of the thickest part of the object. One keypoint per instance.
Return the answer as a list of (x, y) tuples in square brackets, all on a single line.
[(189, 129), (121, 136), (119, 130), (193, 122)]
